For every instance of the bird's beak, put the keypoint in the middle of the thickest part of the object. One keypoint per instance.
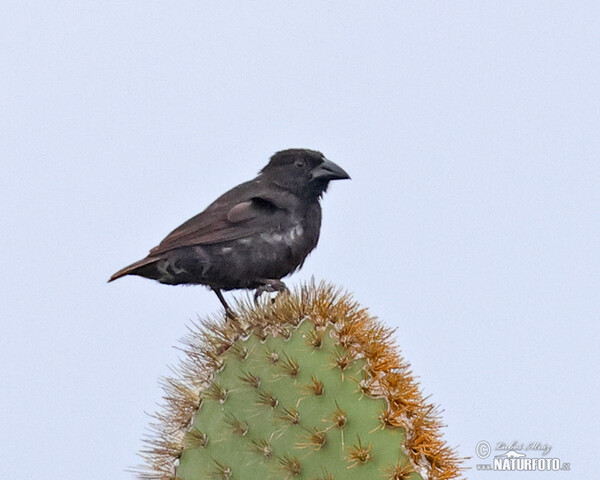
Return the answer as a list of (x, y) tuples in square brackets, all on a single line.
[(329, 171)]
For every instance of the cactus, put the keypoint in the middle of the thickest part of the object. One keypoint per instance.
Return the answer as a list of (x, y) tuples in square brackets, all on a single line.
[(307, 386)]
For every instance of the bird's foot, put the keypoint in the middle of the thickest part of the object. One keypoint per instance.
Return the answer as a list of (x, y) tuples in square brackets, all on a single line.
[(270, 286), (229, 315)]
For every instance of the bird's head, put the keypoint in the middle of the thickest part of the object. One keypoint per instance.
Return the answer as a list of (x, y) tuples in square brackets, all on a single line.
[(303, 171)]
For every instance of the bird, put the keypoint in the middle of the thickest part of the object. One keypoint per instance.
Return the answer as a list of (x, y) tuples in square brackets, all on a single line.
[(251, 236)]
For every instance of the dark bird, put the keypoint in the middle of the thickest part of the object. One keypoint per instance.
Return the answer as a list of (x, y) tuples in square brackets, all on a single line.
[(253, 235)]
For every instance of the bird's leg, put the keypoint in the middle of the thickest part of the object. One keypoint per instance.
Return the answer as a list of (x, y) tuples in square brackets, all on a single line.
[(269, 286), (228, 312)]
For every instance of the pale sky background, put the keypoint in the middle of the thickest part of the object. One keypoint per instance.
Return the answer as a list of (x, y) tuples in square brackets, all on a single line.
[(471, 130)]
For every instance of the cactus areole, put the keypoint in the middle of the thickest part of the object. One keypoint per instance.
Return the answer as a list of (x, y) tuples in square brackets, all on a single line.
[(309, 387)]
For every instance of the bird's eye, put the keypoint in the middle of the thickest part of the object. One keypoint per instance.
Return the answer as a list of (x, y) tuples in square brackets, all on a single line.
[(299, 163)]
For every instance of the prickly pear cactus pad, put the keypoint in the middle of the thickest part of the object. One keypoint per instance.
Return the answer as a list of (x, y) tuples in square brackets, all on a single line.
[(306, 387)]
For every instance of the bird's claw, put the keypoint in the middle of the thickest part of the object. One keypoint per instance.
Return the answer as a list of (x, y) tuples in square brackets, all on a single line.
[(270, 286)]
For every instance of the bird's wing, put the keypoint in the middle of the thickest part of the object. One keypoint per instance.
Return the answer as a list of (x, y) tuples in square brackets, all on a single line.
[(225, 220)]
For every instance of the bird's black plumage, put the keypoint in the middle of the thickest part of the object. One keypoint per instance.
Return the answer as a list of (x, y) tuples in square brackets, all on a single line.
[(253, 235)]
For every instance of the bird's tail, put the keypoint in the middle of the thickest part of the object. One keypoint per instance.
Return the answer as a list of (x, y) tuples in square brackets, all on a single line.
[(144, 268)]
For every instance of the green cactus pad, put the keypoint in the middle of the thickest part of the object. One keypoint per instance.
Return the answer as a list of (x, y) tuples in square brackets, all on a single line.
[(287, 408), (308, 387)]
